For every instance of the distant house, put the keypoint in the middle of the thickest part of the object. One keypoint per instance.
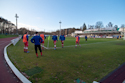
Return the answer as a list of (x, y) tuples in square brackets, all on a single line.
[(77, 32), (122, 30)]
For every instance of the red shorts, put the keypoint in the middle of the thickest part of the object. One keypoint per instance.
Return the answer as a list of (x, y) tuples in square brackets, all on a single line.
[(77, 42), (26, 43), (54, 42), (62, 41), (43, 42)]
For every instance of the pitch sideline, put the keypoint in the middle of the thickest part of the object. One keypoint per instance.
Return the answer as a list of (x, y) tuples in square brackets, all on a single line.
[(80, 44)]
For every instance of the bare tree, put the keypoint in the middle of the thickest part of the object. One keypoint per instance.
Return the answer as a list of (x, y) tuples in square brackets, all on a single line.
[(81, 28), (91, 26), (84, 27), (110, 24), (123, 26), (116, 27), (6, 26), (99, 25)]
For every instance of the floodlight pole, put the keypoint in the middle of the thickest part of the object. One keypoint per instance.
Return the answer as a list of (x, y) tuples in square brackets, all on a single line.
[(60, 27), (123, 33), (16, 23)]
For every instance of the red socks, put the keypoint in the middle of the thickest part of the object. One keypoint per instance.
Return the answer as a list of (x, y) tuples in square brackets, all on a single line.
[(41, 53), (24, 50), (62, 44), (36, 54)]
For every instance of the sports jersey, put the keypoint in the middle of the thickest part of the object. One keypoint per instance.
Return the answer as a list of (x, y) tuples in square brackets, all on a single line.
[(117, 37), (77, 38), (85, 37), (42, 36), (54, 38), (36, 40), (25, 38), (62, 38)]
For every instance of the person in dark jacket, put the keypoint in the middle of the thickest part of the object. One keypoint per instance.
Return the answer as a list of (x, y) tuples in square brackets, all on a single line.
[(117, 37), (37, 40), (86, 38)]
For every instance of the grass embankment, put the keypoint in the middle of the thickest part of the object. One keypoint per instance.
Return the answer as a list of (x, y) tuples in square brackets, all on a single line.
[(6, 36), (92, 61)]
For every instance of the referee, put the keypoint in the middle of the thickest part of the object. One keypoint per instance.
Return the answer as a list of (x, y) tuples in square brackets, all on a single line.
[(37, 40)]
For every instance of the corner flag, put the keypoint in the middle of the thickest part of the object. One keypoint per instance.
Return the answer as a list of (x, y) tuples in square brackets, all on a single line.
[(48, 41), (49, 37)]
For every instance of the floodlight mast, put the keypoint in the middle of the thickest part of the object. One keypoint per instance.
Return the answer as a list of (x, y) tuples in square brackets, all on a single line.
[(124, 33), (16, 23), (60, 27)]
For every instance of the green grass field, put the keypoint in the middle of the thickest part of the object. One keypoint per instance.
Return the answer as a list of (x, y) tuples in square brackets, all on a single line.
[(92, 61), (6, 36)]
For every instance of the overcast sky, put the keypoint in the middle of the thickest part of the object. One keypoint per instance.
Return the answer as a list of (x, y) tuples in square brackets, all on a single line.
[(45, 14)]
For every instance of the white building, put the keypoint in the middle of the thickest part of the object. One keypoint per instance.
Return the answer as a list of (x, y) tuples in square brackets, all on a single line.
[(108, 31), (76, 32), (122, 30)]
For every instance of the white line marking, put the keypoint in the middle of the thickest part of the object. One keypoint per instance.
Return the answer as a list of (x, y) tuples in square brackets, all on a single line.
[(81, 44), (45, 47)]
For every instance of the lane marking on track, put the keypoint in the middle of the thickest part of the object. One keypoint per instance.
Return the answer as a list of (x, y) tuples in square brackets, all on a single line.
[(4, 42)]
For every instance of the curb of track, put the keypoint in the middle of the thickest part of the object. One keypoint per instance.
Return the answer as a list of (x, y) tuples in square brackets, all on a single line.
[(14, 69)]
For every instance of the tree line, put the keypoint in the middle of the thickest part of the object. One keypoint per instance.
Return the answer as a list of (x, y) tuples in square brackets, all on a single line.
[(7, 27), (99, 25)]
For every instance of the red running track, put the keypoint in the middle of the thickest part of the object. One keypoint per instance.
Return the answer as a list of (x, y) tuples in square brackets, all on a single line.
[(6, 74), (116, 76)]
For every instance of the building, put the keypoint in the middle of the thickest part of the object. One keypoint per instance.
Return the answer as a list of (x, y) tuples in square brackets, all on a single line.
[(108, 31)]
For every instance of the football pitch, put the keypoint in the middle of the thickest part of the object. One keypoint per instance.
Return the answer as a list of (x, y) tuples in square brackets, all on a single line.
[(90, 62)]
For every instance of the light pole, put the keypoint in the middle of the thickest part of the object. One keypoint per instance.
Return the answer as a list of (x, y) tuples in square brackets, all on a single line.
[(124, 33), (60, 27), (16, 23)]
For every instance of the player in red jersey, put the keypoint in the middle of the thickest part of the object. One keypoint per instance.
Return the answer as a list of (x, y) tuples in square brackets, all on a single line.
[(77, 40), (25, 41), (43, 37)]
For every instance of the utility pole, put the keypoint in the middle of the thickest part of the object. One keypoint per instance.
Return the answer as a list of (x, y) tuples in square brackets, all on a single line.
[(16, 23), (60, 27)]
